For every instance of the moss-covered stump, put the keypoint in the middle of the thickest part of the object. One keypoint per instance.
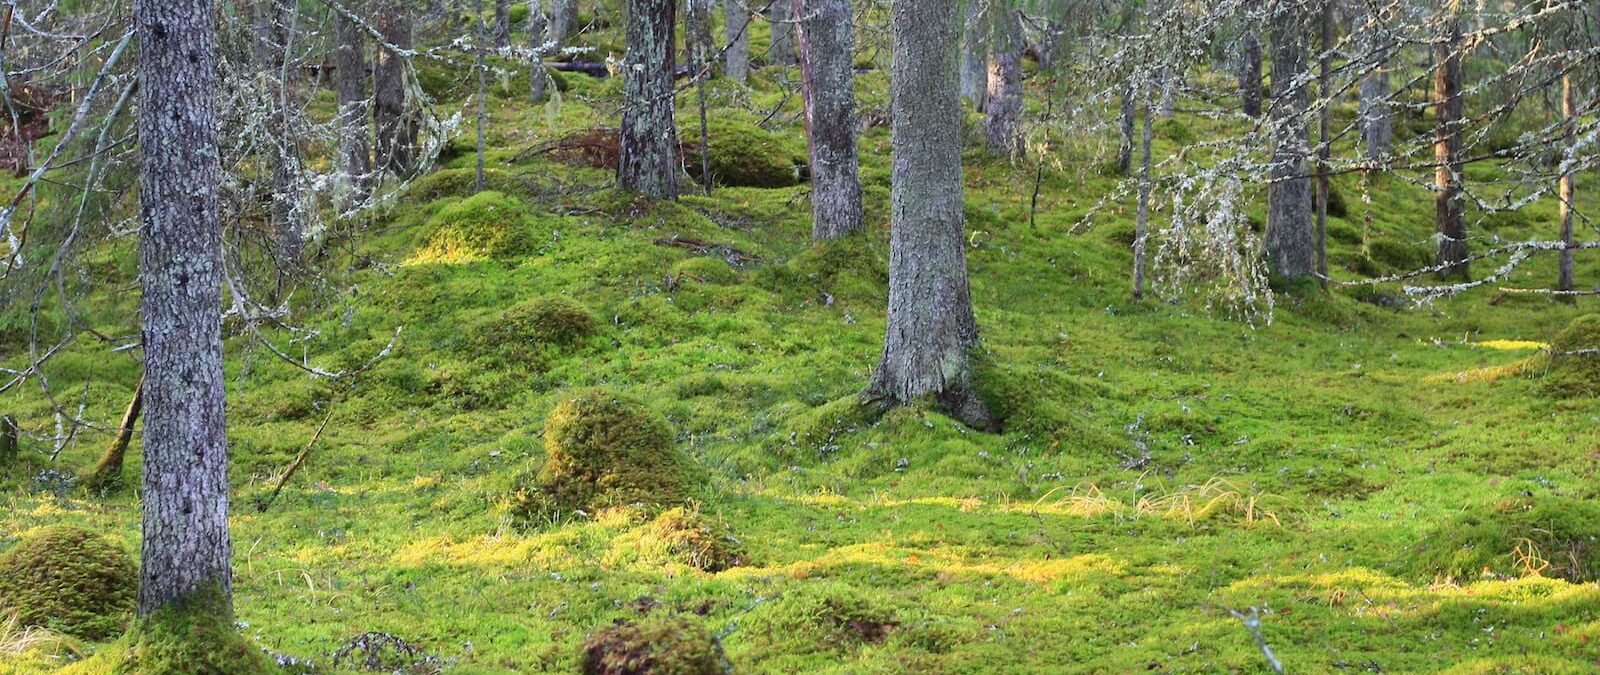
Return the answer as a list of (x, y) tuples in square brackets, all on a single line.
[(1549, 536), (69, 580), (485, 225), (528, 326), (1574, 368), (602, 449), (192, 637), (672, 646)]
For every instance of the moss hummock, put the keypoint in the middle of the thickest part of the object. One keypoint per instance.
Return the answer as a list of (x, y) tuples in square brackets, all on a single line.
[(485, 225), (528, 325), (673, 646), (687, 536), (602, 449), (191, 637), (1535, 535), (1574, 371), (69, 580)]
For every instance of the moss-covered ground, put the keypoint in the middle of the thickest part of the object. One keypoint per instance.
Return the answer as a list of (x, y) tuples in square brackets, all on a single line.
[(1395, 489)]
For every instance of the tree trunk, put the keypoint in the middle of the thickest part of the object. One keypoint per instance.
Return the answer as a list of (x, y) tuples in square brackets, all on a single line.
[(827, 47), (975, 56), (1141, 226), (931, 332), (781, 53), (397, 125), (1003, 125), (699, 42), (1377, 128), (1290, 247), (108, 470), (563, 21), (1324, 137), (8, 441), (350, 84), (1125, 139), (736, 60), (1250, 73), (288, 204), (502, 23), (1568, 191), (185, 545), (538, 79), (1449, 205), (648, 161)]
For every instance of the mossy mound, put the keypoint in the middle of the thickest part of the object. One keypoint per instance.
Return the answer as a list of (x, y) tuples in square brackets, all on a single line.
[(192, 637), (671, 646), (531, 324), (687, 536), (1399, 256), (741, 155), (485, 225), (827, 617), (1575, 371), (1545, 535), (462, 183), (602, 450), (71, 581), (854, 267)]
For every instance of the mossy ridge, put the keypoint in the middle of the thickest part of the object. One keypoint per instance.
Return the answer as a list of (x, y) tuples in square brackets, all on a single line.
[(70, 580), (484, 226), (1539, 535)]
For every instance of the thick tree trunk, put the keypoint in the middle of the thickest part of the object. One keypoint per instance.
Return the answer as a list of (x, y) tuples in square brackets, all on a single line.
[(397, 124), (1377, 128), (1290, 246), (538, 25), (1125, 139), (563, 21), (649, 138), (781, 53), (975, 55), (1003, 124), (1250, 73), (736, 60), (502, 23), (827, 47), (1568, 191), (1449, 205), (1141, 226), (185, 499), (350, 85), (931, 332)]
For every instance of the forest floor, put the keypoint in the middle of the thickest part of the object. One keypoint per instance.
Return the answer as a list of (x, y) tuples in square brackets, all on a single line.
[(1390, 489)]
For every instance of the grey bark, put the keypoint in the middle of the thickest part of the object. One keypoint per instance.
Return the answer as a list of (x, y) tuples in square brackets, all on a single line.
[(478, 66), (1141, 227), (1250, 73), (396, 122), (1449, 205), (1125, 139), (8, 441), (1377, 127), (502, 23), (1289, 240), (827, 47), (975, 55), (538, 78), (931, 332), (1324, 137), (288, 204), (699, 43), (1003, 124), (563, 20), (185, 546), (648, 160), (736, 59), (781, 53), (350, 85), (1567, 188)]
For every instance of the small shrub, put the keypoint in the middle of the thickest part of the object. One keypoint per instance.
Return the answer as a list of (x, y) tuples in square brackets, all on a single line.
[(1574, 371), (69, 580), (1544, 535), (485, 225), (672, 646), (604, 450)]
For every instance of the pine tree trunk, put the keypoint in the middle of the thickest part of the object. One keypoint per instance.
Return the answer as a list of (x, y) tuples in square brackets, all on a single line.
[(931, 332), (288, 215), (1141, 226), (1324, 137), (1125, 138), (8, 441), (538, 78), (699, 42), (185, 499), (397, 125), (736, 60), (648, 162), (563, 21), (1289, 241), (1567, 189), (975, 56), (502, 23), (781, 53), (350, 84), (1377, 127), (1250, 73), (108, 471), (1449, 205), (827, 47), (1003, 124)]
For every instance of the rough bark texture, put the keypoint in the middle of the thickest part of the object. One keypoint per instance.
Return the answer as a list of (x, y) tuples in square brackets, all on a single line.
[(698, 39), (563, 20), (1003, 124), (931, 332), (538, 78), (8, 441), (1289, 240), (1324, 136), (649, 138), (736, 60), (350, 84), (185, 498), (397, 124), (288, 204), (781, 53), (1568, 191), (1449, 206), (1141, 226), (1250, 73), (108, 470), (827, 45), (1125, 139), (1377, 127), (975, 56), (502, 23)]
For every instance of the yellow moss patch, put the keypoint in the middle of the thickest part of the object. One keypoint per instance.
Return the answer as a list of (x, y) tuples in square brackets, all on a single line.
[(1487, 374), (1511, 345)]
